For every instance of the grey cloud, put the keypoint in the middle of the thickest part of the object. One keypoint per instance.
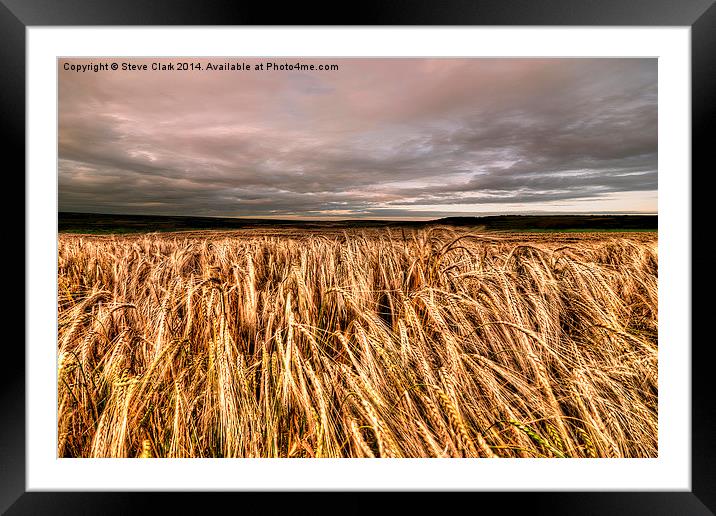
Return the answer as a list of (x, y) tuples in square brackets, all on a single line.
[(371, 139)]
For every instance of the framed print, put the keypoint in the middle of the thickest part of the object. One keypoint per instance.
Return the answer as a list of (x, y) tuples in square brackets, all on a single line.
[(418, 253)]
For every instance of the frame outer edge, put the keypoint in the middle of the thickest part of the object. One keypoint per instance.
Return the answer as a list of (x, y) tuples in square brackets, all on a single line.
[(12, 103), (371, 12), (703, 112), (12, 380)]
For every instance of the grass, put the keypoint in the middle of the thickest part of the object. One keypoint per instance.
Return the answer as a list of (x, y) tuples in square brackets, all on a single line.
[(361, 343)]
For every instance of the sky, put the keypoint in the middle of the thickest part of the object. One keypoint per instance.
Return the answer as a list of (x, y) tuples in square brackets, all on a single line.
[(376, 138)]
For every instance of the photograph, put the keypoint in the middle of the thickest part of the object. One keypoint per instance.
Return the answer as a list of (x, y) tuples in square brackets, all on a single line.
[(357, 257)]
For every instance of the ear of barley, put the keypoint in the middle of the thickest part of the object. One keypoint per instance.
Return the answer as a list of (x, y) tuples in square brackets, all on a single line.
[(277, 341)]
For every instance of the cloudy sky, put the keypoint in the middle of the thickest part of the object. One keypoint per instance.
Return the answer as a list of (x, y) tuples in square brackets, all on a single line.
[(377, 138)]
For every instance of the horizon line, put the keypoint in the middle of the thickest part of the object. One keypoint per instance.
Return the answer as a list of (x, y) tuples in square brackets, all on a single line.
[(369, 219)]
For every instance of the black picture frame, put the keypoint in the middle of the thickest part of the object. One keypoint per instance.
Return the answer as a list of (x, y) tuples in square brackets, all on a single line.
[(700, 15)]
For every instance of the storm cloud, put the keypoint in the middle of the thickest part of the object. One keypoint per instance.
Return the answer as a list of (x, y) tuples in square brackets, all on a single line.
[(377, 138)]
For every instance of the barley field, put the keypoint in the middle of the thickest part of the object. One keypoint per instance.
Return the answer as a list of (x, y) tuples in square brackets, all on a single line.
[(357, 343)]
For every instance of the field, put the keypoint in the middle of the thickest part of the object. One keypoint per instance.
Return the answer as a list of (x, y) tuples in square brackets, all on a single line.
[(417, 342)]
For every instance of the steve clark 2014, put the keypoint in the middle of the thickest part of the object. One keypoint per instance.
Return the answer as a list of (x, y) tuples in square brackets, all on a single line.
[(132, 67)]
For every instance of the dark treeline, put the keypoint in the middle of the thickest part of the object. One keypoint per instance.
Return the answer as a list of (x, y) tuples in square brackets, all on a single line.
[(110, 223)]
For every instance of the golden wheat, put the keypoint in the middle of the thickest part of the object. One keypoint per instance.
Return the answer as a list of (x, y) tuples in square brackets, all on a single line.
[(372, 343)]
